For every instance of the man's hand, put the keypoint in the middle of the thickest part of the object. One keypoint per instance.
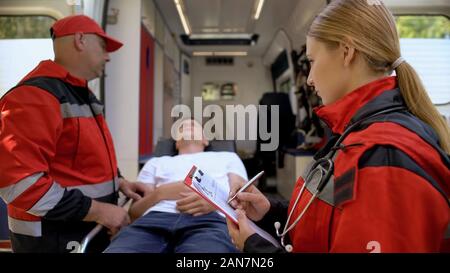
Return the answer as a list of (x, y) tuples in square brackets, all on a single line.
[(240, 233), (134, 190), (108, 215), (169, 191), (193, 204)]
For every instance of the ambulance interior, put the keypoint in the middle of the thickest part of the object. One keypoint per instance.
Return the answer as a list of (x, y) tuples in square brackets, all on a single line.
[(232, 55)]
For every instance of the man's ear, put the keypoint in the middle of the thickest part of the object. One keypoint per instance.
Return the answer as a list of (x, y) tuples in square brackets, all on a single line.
[(349, 53), (79, 41)]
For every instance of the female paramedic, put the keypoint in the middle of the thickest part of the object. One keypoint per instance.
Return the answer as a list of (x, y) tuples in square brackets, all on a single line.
[(382, 182)]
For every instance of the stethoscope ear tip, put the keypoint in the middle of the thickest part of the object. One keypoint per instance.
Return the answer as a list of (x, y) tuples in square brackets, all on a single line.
[(289, 248), (277, 225)]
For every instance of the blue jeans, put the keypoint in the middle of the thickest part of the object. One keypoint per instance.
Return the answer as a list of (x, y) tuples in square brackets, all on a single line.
[(162, 232)]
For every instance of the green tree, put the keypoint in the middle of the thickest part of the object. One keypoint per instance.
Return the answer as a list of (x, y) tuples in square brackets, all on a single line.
[(423, 26), (25, 27)]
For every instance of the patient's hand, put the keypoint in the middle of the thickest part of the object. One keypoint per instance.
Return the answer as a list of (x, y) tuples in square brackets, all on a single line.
[(193, 204), (171, 191)]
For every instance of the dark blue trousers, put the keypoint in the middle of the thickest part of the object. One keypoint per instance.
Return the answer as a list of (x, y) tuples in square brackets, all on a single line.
[(162, 232)]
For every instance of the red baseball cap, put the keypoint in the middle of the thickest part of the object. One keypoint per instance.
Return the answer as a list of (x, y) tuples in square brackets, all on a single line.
[(82, 23)]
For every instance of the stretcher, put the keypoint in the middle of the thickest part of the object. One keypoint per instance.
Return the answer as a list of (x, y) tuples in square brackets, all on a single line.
[(123, 202), (164, 147)]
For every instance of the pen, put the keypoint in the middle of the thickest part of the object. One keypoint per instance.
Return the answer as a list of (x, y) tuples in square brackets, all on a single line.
[(246, 185)]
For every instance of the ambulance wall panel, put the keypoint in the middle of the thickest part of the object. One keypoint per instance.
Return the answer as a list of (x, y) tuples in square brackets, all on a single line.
[(158, 93), (122, 85), (146, 94), (251, 76)]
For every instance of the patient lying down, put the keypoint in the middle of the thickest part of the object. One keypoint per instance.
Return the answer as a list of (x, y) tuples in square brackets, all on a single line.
[(173, 218)]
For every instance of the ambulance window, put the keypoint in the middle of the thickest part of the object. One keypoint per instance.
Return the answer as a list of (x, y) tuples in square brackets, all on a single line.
[(24, 42), (425, 44)]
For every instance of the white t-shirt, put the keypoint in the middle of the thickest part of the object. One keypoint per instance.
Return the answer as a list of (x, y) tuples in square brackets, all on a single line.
[(169, 169)]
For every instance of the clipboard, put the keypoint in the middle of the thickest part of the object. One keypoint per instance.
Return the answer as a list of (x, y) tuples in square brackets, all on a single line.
[(205, 186)]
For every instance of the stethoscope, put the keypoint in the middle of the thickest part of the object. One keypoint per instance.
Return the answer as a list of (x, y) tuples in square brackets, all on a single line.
[(322, 170)]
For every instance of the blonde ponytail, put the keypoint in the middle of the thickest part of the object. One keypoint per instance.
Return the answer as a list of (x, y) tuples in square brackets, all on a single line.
[(419, 103), (371, 29)]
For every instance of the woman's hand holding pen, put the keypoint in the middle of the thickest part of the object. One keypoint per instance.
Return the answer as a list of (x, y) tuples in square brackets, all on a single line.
[(239, 233), (252, 201)]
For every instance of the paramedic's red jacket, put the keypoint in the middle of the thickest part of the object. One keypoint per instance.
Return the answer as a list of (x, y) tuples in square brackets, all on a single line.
[(56, 156), (390, 188)]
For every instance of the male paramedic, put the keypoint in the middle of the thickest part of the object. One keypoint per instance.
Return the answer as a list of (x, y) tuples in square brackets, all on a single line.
[(58, 171)]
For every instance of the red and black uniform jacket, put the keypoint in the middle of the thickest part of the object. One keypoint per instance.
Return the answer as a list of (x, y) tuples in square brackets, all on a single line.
[(56, 156), (390, 187)]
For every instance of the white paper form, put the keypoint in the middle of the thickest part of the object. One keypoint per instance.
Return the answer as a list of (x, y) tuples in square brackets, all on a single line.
[(207, 188)]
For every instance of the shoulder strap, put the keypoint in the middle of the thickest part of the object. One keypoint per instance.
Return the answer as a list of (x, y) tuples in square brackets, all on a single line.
[(54, 86), (63, 91), (414, 124)]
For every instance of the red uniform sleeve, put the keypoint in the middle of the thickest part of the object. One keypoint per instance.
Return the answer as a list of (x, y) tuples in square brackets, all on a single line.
[(394, 210)]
